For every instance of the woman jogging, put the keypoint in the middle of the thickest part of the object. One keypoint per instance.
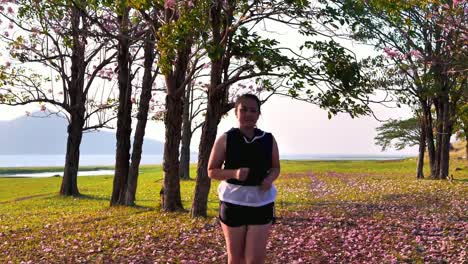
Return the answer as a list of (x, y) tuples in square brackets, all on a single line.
[(247, 194)]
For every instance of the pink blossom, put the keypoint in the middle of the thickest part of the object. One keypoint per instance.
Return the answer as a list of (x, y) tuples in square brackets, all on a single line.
[(391, 53), (133, 100), (415, 53), (169, 4), (47, 249), (10, 10), (43, 108)]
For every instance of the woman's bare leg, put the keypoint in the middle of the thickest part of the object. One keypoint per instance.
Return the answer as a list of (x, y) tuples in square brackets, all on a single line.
[(235, 243), (256, 242)]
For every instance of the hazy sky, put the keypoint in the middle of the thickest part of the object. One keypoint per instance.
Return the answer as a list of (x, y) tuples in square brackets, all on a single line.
[(299, 128)]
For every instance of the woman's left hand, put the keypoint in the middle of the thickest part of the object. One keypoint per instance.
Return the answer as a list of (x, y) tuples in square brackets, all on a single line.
[(266, 184)]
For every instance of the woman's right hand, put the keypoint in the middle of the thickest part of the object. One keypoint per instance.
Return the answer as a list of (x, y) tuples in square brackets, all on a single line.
[(242, 173)]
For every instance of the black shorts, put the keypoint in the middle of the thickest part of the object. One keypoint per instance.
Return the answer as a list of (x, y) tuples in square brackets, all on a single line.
[(234, 215)]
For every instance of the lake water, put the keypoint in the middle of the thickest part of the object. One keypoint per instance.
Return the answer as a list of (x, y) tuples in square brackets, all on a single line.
[(57, 174), (109, 160), (59, 160)]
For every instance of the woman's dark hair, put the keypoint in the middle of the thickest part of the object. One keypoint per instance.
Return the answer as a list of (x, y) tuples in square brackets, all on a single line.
[(247, 96)]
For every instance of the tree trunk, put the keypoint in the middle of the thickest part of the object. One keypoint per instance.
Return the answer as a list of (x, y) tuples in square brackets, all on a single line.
[(429, 136), (466, 146), (449, 114), (208, 137), (173, 121), (142, 117), (446, 134), (422, 148), (77, 109), (439, 128), (175, 85), (215, 107), (69, 185), (124, 120), (184, 168)]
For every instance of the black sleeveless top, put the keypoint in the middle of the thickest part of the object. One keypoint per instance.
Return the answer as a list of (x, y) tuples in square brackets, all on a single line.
[(254, 154)]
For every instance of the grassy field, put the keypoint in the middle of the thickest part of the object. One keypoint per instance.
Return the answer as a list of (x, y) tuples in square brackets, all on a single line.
[(337, 211)]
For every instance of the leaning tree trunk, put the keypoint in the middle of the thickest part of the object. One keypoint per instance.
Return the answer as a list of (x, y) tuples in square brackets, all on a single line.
[(215, 108), (422, 147), (142, 117), (124, 120), (184, 168), (75, 128), (208, 137), (215, 105)]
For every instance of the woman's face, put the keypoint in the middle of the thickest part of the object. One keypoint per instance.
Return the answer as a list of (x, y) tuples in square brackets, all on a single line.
[(247, 113)]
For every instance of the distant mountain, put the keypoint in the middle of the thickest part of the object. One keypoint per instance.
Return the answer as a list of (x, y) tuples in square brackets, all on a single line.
[(31, 135)]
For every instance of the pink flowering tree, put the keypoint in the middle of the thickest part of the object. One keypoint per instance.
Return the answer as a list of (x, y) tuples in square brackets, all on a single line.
[(424, 50), (56, 54)]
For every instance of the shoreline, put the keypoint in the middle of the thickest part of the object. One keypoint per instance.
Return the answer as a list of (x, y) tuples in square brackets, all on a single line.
[(105, 170), (90, 162)]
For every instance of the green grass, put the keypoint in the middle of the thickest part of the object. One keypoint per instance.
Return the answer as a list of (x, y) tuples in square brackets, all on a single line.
[(17, 170), (32, 206), (21, 196)]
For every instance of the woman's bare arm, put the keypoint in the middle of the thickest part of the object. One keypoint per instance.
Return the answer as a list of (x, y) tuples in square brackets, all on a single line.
[(275, 167), (217, 157)]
